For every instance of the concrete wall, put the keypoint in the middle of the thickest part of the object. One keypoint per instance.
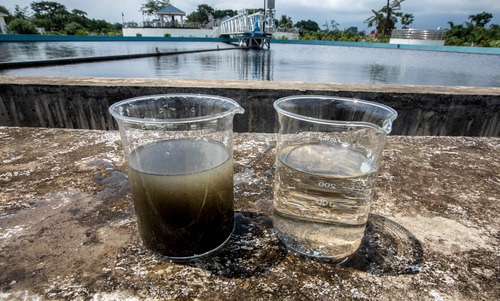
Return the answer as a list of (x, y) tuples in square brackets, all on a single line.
[(186, 33), (417, 42), (83, 102), (288, 35), (160, 32)]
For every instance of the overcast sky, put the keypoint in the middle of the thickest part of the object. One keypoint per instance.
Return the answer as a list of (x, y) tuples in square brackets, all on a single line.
[(428, 14)]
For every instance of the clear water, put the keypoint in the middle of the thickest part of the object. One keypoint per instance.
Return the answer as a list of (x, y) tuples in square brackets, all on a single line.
[(322, 199), (283, 62)]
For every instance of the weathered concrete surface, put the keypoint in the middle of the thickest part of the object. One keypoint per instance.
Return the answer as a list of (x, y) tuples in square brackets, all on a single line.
[(67, 228), (83, 102)]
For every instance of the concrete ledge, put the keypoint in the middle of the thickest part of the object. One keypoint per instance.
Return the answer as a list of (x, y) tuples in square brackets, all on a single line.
[(83, 102)]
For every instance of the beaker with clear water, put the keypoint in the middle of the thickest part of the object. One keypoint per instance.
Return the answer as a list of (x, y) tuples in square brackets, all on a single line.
[(328, 155)]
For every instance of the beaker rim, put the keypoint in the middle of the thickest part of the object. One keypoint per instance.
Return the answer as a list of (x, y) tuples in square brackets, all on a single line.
[(386, 127), (233, 109)]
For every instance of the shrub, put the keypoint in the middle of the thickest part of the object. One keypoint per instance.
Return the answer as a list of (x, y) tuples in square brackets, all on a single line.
[(454, 41), (21, 26), (73, 28), (81, 32), (495, 43)]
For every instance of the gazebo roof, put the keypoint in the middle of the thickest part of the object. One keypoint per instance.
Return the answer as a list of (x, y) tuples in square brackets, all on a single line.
[(170, 10)]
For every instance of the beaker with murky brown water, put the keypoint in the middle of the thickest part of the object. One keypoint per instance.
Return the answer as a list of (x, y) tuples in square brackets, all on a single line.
[(179, 149)]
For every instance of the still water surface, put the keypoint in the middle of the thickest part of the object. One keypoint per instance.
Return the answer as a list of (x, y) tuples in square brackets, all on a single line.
[(283, 62)]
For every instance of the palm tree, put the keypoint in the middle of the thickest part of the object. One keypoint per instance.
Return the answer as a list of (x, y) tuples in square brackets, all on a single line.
[(406, 20), (481, 19), (385, 19)]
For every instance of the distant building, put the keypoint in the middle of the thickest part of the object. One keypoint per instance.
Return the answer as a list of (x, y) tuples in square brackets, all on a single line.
[(170, 23), (172, 14), (3, 26)]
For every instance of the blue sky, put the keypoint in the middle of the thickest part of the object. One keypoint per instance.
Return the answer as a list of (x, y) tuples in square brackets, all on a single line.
[(429, 14)]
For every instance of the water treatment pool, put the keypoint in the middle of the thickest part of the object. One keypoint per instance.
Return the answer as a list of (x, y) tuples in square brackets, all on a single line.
[(283, 62)]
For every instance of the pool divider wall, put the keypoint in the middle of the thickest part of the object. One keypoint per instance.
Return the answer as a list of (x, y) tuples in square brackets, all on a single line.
[(83, 102), (89, 59)]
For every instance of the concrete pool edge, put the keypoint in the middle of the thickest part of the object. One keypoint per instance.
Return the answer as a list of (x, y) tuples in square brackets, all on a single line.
[(83, 102)]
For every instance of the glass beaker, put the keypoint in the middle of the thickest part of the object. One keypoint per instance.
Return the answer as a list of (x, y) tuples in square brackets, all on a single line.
[(179, 149), (328, 156)]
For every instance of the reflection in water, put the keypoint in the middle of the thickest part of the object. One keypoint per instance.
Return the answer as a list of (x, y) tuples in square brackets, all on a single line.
[(5, 53), (30, 51), (43, 50), (256, 65), (165, 65), (283, 62), (251, 64), (53, 51), (207, 62), (378, 73)]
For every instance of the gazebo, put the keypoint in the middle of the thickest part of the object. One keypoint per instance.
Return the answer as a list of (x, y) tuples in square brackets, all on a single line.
[(171, 12)]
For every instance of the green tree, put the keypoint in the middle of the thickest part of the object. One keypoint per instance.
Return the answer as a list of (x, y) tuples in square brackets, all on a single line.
[(334, 25), (100, 27), (308, 25), (406, 20), (284, 22), (118, 26), (74, 28), (52, 16), (219, 14), (21, 13), (309, 30), (55, 18), (481, 19), (6, 11), (79, 16), (474, 32), (202, 15), (49, 9)]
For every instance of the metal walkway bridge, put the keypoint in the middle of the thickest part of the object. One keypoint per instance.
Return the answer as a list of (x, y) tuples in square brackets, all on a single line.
[(243, 22), (253, 30)]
